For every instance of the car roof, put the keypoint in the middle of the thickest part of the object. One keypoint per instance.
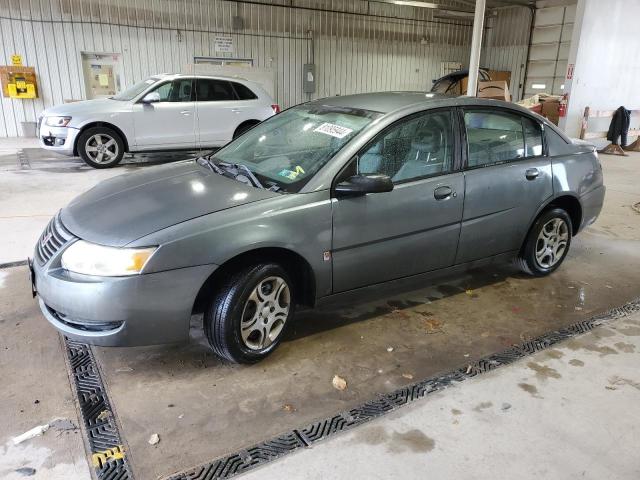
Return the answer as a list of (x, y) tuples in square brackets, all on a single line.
[(389, 102), (165, 76)]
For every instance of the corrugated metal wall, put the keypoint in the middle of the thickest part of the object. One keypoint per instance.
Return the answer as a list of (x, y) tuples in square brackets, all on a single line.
[(506, 44), (357, 46)]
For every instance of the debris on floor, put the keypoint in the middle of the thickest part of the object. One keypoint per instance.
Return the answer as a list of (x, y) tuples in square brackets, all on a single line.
[(289, 408), (26, 471), (506, 406), (389, 349), (339, 383), (433, 325), (63, 425), (34, 432), (104, 415), (154, 439), (407, 376)]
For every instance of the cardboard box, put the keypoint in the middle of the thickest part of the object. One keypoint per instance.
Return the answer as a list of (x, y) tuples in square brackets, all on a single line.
[(550, 108), (497, 90)]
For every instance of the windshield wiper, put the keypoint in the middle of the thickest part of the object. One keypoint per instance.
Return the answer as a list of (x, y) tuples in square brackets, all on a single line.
[(250, 175), (206, 161)]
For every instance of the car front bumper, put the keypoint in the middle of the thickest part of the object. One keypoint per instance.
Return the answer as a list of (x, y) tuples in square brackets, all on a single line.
[(143, 309), (57, 139)]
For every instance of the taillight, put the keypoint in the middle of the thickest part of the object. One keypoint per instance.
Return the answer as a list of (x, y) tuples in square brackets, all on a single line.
[(276, 108)]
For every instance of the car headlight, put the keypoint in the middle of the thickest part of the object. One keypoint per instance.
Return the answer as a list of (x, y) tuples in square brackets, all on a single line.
[(91, 259), (57, 121)]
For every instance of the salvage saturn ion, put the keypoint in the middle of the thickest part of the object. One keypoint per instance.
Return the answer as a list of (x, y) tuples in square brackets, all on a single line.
[(328, 197)]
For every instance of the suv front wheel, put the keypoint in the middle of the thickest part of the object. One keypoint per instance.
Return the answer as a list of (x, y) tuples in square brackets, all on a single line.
[(547, 244), (248, 314), (100, 147)]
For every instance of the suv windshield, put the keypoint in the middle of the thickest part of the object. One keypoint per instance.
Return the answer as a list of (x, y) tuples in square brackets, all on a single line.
[(289, 148), (135, 90)]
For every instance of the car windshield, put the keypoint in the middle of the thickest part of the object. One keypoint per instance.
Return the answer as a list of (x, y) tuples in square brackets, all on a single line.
[(288, 149), (135, 90)]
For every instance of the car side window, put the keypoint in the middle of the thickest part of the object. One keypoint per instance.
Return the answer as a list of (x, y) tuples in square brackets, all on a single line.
[(532, 137), (419, 147), (244, 93), (208, 90), (175, 91), (493, 137)]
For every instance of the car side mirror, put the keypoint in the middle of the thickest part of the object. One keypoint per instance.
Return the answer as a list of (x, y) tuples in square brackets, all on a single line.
[(151, 97), (363, 184)]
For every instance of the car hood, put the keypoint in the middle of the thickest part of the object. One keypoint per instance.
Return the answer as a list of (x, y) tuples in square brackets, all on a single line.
[(86, 106), (122, 209)]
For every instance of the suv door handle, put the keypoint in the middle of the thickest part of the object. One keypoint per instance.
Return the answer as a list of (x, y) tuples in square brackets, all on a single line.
[(443, 192), (532, 173)]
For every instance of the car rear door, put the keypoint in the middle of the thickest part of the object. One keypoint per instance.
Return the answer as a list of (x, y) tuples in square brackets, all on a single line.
[(507, 179), (169, 123), (415, 227), (219, 111)]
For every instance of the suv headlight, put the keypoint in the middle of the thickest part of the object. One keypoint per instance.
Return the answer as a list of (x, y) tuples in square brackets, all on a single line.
[(91, 259), (57, 121)]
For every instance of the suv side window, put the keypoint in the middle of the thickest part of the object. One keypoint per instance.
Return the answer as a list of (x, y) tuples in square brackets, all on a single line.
[(493, 137), (244, 93), (419, 147), (208, 90), (176, 91)]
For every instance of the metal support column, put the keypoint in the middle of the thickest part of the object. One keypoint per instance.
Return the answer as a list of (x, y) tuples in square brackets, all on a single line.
[(476, 45)]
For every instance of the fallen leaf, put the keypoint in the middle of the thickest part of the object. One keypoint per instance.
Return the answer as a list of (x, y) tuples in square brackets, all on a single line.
[(339, 383), (433, 325), (408, 376), (104, 415), (154, 439), (288, 407)]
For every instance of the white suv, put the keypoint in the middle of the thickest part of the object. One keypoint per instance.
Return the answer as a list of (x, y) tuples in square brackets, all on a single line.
[(163, 112)]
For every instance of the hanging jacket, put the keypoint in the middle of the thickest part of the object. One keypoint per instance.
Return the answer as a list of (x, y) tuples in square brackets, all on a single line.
[(619, 126)]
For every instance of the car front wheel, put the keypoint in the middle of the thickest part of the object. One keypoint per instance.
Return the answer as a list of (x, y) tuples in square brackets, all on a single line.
[(248, 314), (100, 147), (547, 244)]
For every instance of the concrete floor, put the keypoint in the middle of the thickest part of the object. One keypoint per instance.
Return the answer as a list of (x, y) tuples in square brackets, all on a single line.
[(202, 409)]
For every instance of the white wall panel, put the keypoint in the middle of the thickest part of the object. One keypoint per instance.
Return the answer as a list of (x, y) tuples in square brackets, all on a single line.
[(357, 46)]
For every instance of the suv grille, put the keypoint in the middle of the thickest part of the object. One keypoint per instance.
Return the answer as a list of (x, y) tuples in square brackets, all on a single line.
[(54, 237)]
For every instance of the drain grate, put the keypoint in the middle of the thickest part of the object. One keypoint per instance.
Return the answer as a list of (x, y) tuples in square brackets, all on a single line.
[(275, 448), (108, 456)]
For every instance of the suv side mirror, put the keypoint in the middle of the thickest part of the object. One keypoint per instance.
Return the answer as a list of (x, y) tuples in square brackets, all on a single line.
[(363, 184), (151, 97)]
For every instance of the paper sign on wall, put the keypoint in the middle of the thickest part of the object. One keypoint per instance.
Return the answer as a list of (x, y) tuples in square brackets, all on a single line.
[(16, 60), (223, 44)]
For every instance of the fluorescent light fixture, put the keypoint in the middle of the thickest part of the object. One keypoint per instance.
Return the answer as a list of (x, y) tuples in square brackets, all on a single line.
[(538, 86), (410, 3)]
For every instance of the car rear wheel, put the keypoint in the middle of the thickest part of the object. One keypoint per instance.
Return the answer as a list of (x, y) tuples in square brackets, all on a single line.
[(100, 147), (547, 244), (249, 313)]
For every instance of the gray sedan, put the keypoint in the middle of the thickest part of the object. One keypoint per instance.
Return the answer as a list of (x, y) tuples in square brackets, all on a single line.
[(322, 200)]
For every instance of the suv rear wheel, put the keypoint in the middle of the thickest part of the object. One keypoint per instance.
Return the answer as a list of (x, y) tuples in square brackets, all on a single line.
[(100, 147), (547, 244), (248, 314)]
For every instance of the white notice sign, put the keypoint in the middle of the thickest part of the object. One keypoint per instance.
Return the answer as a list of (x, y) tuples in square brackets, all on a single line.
[(333, 130), (224, 44)]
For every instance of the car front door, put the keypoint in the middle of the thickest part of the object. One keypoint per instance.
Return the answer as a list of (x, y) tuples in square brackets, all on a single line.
[(219, 111), (507, 179), (169, 122), (412, 229)]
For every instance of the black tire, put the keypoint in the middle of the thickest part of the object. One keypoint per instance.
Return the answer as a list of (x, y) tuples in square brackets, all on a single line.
[(529, 260), (244, 127), (105, 157), (223, 316)]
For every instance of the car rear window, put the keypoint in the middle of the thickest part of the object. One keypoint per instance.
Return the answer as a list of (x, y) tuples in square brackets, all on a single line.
[(244, 93), (213, 90)]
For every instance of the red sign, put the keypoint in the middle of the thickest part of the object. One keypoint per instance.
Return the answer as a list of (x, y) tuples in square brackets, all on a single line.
[(570, 71)]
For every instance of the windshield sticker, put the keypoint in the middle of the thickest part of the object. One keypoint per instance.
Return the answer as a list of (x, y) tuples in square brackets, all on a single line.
[(291, 174), (333, 130)]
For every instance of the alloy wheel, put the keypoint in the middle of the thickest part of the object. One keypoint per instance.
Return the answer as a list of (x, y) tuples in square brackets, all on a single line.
[(101, 148), (552, 242), (265, 313)]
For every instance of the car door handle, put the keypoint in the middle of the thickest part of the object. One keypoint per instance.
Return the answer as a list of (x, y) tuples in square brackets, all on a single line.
[(532, 173), (444, 192), (186, 112), (235, 110)]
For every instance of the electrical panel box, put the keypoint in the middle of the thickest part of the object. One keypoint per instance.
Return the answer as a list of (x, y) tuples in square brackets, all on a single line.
[(309, 78)]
